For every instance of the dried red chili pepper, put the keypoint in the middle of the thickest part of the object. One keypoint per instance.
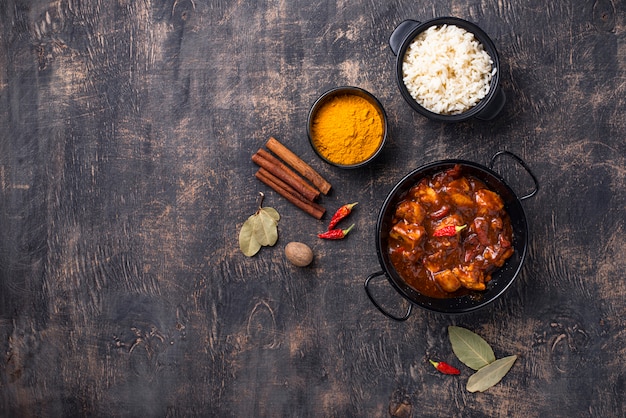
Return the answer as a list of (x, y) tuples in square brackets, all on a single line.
[(336, 233), (341, 213), (448, 231), (444, 367)]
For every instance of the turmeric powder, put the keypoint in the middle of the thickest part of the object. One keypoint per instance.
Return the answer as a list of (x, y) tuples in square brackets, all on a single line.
[(347, 129)]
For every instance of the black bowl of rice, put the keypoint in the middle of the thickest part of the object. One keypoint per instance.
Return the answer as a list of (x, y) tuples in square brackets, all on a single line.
[(447, 69)]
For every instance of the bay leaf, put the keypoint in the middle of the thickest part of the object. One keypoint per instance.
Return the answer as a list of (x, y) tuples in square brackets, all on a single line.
[(471, 349), (489, 375), (272, 213), (265, 229), (248, 244)]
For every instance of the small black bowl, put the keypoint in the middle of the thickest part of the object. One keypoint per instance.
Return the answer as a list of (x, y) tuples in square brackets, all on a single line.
[(347, 90), (402, 37)]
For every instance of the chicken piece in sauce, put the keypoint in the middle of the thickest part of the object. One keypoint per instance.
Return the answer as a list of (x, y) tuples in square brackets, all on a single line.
[(487, 201), (447, 280), (425, 194), (471, 277), (461, 199), (410, 234), (411, 211)]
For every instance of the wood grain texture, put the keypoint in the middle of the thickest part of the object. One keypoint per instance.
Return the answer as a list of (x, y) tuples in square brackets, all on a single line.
[(126, 131)]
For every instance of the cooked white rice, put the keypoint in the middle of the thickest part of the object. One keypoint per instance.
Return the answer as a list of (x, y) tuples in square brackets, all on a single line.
[(446, 70)]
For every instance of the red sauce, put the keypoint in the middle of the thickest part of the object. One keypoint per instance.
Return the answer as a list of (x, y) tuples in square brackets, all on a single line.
[(463, 261)]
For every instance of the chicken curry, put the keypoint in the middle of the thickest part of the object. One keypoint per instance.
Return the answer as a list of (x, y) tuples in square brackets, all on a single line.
[(448, 235)]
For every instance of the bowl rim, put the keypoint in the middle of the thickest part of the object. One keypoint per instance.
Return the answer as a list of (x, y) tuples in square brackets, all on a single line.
[(488, 45), (346, 89)]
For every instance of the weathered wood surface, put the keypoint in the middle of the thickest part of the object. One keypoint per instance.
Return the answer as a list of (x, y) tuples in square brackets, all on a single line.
[(126, 130)]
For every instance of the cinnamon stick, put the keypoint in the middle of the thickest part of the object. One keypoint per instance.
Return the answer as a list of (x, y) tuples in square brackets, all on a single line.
[(307, 206), (297, 164), (288, 188), (272, 164)]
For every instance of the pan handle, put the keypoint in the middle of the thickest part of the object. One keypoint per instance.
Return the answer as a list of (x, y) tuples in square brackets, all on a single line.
[(380, 308), (400, 33), (523, 164)]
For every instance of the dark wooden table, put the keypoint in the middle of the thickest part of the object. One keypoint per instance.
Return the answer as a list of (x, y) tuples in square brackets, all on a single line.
[(126, 131)]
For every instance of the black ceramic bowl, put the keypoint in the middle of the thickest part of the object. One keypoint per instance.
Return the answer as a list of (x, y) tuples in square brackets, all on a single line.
[(501, 278), (402, 37), (347, 90)]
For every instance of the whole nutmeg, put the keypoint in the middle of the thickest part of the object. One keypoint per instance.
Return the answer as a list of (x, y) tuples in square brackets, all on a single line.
[(299, 254)]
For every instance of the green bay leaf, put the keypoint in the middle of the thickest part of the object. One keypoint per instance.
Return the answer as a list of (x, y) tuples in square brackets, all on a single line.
[(471, 349), (489, 375), (248, 244), (273, 213), (265, 229)]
